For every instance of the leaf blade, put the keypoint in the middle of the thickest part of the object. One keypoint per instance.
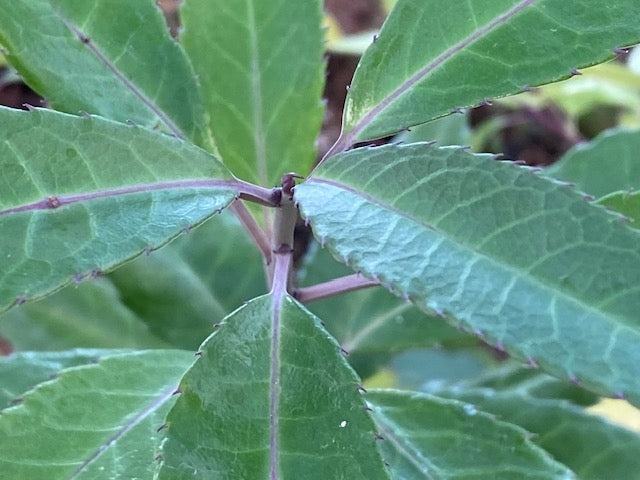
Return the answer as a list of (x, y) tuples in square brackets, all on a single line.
[(443, 240), (112, 407), (124, 46), (265, 111), (181, 291), (586, 443), (475, 47), (22, 371), (107, 190), (89, 315), (314, 436), (605, 165), (457, 442)]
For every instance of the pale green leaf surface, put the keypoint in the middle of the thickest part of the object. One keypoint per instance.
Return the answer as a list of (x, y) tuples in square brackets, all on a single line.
[(373, 321), (626, 203), (417, 369), (261, 68), (131, 69), (449, 130), (434, 438), (607, 164), (260, 361), (81, 195), (181, 290), (93, 422), (432, 57), (22, 371), (88, 315), (588, 444), (494, 247)]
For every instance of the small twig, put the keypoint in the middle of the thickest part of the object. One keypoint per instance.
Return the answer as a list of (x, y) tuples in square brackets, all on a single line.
[(257, 234), (254, 193), (333, 287)]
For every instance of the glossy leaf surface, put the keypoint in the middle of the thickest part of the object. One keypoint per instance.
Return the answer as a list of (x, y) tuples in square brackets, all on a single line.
[(430, 437), (22, 371), (80, 195), (494, 247), (607, 164), (183, 289), (591, 446), (256, 405), (88, 315), (114, 58), (93, 422), (261, 68), (433, 57)]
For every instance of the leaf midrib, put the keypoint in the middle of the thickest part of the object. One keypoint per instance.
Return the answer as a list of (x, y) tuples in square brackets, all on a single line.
[(613, 319), (54, 202)]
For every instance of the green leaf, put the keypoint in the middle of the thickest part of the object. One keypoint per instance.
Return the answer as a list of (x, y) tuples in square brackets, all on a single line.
[(498, 250), (419, 368), (257, 405), (430, 437), (114, 58), (89, 315), (433, 57), (449, 130), (626, 203), (93, 422), (22, 371), (373, 321), (261, 68), (588, 444), (607, 164), (81, 195), (181, 290)]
